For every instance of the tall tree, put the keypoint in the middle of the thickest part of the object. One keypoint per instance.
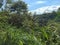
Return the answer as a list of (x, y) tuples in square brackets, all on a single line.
[(20, 7), (1, 3)]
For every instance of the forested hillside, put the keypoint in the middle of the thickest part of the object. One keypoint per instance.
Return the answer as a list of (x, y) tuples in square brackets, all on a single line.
[(19, 27)]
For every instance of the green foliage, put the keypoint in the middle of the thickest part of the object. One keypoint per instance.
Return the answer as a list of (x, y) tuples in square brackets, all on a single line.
[(19, 6), (25, 29), (15, 20), (44, 18)]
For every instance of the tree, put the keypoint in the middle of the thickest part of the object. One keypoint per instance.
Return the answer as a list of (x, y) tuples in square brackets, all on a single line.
[(1, 3), (42, 19), (58, 16), (18, 18), (20, 7)]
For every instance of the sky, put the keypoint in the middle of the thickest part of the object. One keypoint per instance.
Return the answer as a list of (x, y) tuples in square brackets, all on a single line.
[(40, 6)]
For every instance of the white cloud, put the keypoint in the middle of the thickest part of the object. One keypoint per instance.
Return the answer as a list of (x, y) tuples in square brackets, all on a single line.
[(40, 2), (46, 9), (28, 5)]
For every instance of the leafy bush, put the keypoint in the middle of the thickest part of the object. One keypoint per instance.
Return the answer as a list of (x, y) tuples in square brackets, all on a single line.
[(25, 29)]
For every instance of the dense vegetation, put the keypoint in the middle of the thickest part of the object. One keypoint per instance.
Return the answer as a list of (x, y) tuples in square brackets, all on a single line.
[(23, 28)]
